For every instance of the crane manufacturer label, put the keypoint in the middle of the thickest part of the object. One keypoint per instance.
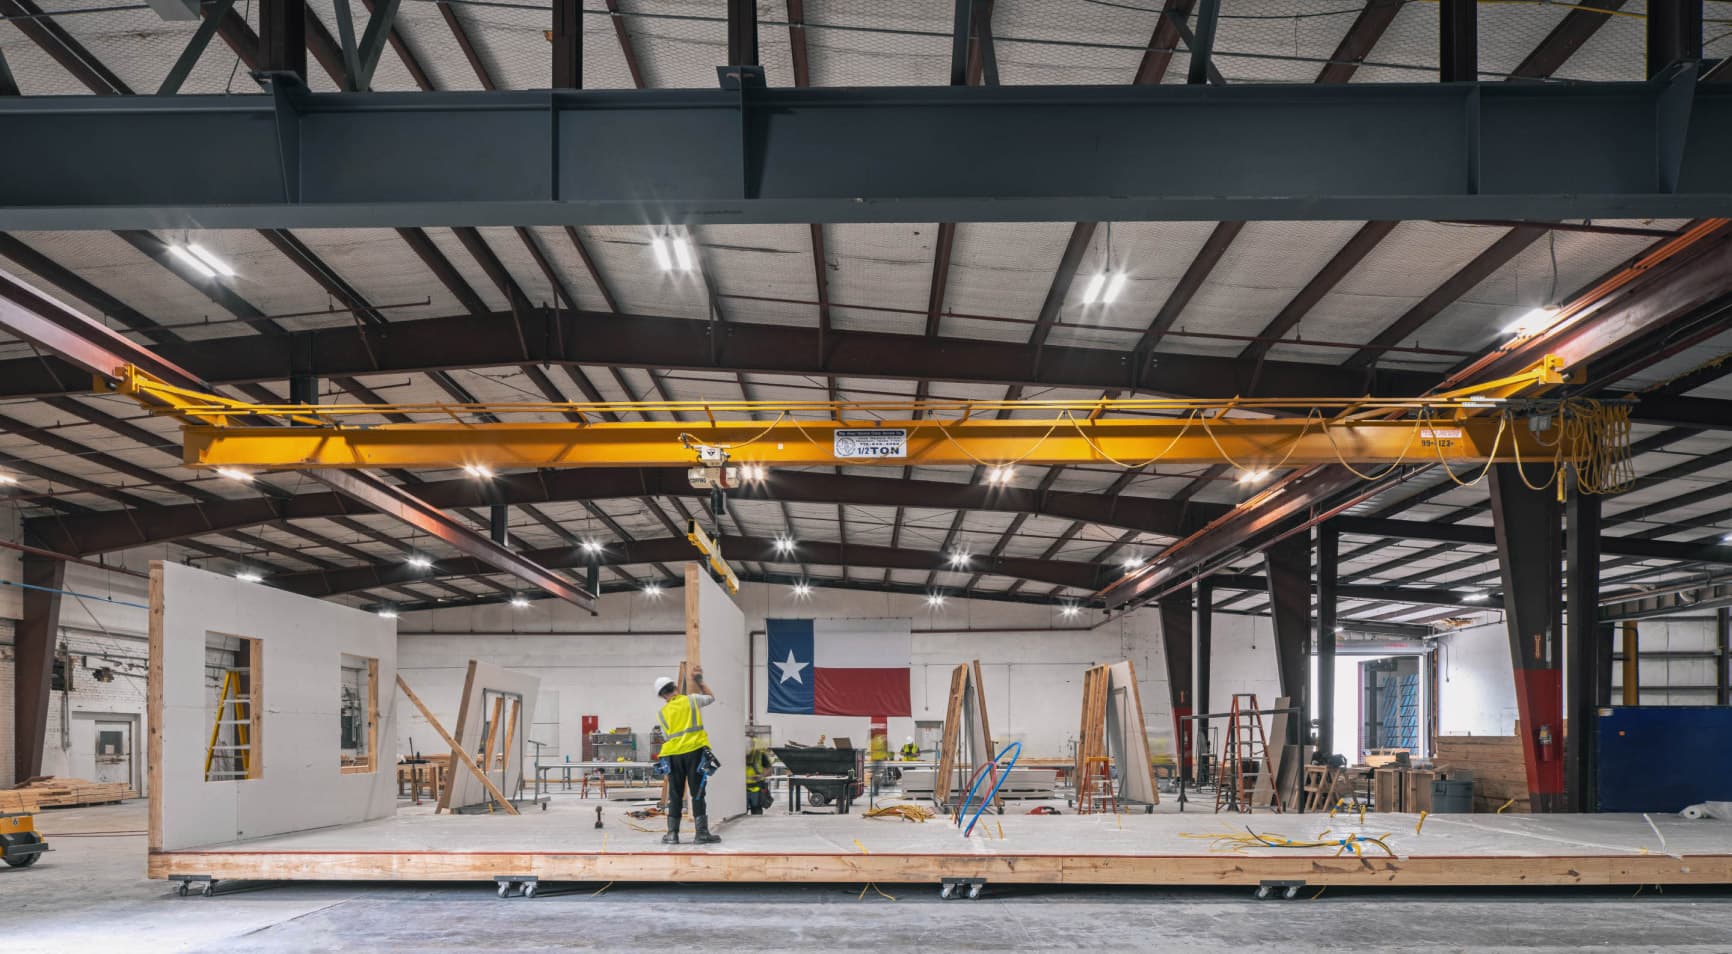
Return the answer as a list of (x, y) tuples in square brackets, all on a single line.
[(879, 443)]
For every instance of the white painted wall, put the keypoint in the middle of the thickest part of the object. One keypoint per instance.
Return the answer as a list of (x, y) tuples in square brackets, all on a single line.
[(1032, 660), (1476, 682), (303, 644)]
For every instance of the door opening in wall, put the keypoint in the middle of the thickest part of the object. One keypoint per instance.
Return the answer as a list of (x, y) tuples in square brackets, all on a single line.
[(1393, 709)]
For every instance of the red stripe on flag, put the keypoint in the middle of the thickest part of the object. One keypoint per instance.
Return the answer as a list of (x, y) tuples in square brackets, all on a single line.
[(861, 692)]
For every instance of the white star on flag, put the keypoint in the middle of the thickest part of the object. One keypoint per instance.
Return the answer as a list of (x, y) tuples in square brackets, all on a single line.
[(790, 669)]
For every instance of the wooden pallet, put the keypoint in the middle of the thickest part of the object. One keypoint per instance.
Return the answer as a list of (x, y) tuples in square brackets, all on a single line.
[(54, 792)]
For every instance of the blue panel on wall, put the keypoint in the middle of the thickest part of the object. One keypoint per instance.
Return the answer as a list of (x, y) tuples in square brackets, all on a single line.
[(1662, 758)]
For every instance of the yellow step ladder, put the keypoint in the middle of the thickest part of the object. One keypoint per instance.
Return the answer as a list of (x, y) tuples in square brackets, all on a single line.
[(239, 754)]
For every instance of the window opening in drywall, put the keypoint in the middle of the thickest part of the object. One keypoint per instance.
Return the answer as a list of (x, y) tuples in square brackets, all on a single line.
[(234, 707), (358, 714)]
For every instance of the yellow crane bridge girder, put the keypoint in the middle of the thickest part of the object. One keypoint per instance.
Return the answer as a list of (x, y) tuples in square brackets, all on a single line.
[(1247, 443)]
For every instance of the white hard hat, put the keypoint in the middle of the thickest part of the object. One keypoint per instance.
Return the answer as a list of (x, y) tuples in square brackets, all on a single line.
[(662, 682), (909, 739)]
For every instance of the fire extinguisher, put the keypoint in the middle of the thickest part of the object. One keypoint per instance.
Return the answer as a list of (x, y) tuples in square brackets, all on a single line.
[(1547, 751)]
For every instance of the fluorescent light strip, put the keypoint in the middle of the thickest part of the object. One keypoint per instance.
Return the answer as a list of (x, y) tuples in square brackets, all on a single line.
[(659, 246), (192, 261), (211, 261)]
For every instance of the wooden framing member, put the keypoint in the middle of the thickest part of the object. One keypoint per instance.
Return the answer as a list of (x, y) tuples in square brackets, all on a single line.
[(1115, 729), (965, 712), (891, 868), (458, 755), (371, 762)]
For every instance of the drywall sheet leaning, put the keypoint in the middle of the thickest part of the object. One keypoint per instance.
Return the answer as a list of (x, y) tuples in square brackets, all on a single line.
[(493, 719), (716, 642), (301, 749), (966, 746)]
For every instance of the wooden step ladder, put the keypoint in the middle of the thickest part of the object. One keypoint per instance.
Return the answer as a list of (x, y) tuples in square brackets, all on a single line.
[(1245, 756), (232, 710), (1096, 793)]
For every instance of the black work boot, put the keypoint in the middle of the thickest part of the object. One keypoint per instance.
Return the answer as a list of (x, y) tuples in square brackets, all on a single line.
[(703, 836), (673, 835)]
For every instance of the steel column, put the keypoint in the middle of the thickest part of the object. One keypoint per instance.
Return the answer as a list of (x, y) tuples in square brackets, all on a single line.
[(1674, 34), (523, 158), (567, 44), (742, 33), (1328, 574), (498, 524), (1205, 649), (1723, 665), (1288, 566), (36, 636), (1582, 635), (1203, 45), (959, 33), (283, 37), (1632, 658), (1458, 41), (1530, 560), (1176, 636)]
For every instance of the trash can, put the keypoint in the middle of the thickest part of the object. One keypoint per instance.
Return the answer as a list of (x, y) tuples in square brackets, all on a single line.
[(1451, 796)]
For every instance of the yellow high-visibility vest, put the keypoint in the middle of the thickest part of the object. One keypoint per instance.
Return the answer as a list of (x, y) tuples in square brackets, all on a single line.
[(682, 727)]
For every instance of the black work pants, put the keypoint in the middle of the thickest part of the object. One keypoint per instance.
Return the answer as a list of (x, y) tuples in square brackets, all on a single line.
[(684, 772)]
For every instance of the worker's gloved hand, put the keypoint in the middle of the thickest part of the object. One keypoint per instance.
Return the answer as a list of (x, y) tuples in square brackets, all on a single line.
[(662, 767)]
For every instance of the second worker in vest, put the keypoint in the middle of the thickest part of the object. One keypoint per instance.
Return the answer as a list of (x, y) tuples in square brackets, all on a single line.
[(685, 749)]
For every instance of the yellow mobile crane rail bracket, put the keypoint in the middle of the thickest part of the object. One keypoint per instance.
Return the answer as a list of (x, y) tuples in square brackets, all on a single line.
[(1486, 424)]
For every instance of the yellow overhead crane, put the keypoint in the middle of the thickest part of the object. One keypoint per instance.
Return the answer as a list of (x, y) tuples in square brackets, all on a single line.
[(729, 442)]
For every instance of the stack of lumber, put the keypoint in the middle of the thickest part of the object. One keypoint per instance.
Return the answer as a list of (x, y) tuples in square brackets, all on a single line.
[(56, 792), (1397, 789), (1496, 764)]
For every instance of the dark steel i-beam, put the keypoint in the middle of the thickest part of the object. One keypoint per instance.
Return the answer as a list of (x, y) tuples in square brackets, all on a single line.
[(1176, 648), (1583, 634), (1028, 153), (394, 502), (37, 635), (1288, 566), (1328, 579), (1531, 564)]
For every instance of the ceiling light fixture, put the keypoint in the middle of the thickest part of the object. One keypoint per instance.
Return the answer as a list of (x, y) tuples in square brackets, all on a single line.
[(683, 253), (592, 545), (1533, 322), (1477, 596), (7, 479), (1069, 610), (751, 472), (959, 558), (192, 261), (420, 561), (387, 613), (935, 599), (1001, 475), (1092, 291), (520, 602), (1253, 476), (236, 474), (249, 576), (1132, 562), (659, 246), (478, 471), (802, 589), (1725, 539), (784, 544), (210, 261), (653, 590)]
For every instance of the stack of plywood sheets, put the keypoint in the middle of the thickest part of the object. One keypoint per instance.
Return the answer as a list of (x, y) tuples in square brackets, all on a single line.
[(1498, 766), (54, 792)]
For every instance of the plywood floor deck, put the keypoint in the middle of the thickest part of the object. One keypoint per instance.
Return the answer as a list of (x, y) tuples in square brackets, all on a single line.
[(1166, 848)]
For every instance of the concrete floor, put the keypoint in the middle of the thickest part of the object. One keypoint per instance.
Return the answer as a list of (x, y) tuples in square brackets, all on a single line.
[(89, 895)]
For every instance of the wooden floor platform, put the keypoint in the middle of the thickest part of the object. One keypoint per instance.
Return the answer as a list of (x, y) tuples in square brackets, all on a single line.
[(1166, 848)]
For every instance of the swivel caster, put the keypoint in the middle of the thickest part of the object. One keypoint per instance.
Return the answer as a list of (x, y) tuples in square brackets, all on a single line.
[(953, 889), (946, 891), (1287, 890), (181, 890), (523, 886), (505, 889), (201, 886), (974, 891), (529, 890)]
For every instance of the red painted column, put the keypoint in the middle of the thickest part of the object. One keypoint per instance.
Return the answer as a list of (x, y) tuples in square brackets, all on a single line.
[(1528, 525)]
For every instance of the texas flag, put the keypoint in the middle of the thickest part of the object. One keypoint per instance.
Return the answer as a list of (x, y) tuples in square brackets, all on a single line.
[(840, 666)]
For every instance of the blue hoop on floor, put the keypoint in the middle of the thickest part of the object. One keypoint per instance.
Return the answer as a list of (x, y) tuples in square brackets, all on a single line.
[(1015, 750)]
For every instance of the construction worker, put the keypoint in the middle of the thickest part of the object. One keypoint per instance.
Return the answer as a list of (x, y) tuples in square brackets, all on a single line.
[(757, 769), (910, 751), (685, 754)]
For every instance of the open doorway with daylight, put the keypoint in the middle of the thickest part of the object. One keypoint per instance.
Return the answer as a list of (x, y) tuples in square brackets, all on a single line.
[(1384, 698)]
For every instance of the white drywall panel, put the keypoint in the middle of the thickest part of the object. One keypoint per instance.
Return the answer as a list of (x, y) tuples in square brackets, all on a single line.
[(719, 628), (303, 641), (472, 714)]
